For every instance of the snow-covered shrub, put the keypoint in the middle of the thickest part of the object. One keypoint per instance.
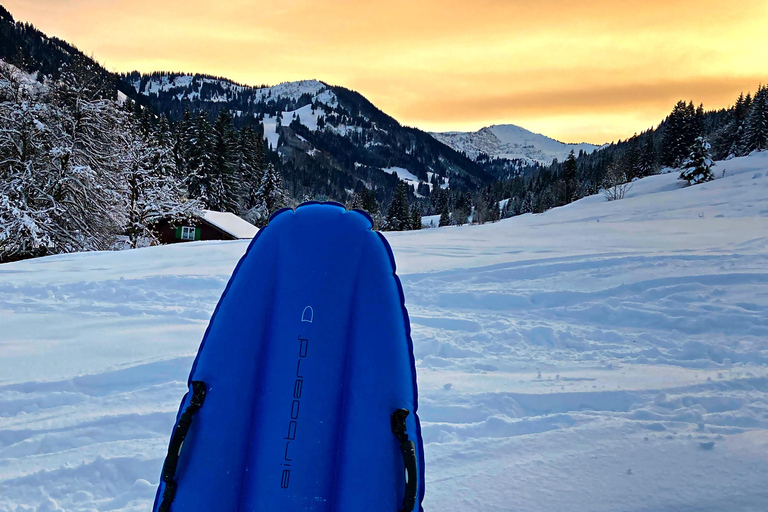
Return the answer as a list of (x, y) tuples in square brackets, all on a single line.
[(697, 167), (615, 183)]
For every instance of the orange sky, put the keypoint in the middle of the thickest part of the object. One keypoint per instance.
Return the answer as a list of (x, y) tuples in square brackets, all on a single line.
[(578, 71)]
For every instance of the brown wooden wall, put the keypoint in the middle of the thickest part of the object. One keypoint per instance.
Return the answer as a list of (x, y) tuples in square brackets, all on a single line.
[(166, 231)]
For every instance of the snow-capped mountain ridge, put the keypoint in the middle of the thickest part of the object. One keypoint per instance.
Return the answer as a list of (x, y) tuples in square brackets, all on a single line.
[(511, 142), (314, 125), (193, 87)]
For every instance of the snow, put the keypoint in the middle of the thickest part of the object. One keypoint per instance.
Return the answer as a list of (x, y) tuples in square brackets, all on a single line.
[(295, 90), (598, 357), (28, 81), (409, 178), (403, 174), (306, 116), (511, 142), (430, 221), (231, 223)]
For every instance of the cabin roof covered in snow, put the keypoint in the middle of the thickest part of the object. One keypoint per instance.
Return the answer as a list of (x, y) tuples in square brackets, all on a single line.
[(230, 223)]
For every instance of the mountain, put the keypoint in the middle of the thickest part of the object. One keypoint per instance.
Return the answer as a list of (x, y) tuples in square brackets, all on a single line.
[(338, 143), (321, 132), (32, 51), (511, 142)]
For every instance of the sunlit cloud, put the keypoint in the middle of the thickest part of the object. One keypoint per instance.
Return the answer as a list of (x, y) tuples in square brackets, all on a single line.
[(594, 71)]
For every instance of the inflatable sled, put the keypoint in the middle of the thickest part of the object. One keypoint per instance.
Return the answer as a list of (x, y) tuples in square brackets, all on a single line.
[(303, 393)]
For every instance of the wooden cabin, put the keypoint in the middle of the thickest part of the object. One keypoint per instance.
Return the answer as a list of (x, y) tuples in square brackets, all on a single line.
[(211, 225)]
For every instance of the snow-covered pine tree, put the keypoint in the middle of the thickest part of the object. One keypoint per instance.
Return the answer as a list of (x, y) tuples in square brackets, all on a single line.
[(755, 135), (726, 140), (269, 198), (224, 192), (252, 165), (199, 144), (153, 190), (516, 207), (697, 167), (528, 201), (182, 145), (355, 204), (682, 127)]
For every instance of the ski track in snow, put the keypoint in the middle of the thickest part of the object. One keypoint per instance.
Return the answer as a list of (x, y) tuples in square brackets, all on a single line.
[(597, 357)]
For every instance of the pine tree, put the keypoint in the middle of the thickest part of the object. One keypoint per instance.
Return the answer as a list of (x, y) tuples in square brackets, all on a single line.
[(368, 202), (528, 202), (445, 217), (269, 198), (569, 178), (461, 210), (182, 145), (697, 167), (682, 127), (755, 135), (252, 165), (492, 213), (398, 215), (647, 163), (153, 190), (224, 192), (631, 159), (726, 142), (415, 217), (199, 144)]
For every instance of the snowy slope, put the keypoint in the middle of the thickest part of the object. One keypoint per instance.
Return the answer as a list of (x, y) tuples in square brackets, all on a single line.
[(511, 142), (598, 357)]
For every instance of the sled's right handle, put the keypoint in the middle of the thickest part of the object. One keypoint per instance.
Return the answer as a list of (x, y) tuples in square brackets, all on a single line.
[(408, 448), (177, 441)]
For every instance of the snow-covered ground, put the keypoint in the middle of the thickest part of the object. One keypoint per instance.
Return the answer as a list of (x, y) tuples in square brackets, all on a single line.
[(597, 357)]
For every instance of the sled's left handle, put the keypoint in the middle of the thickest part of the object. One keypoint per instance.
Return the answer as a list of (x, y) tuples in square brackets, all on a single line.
[(408, 449), (177, 441)]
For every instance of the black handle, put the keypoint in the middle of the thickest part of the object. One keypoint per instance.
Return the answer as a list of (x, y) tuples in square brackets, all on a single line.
[(177, 441), (408, 449)]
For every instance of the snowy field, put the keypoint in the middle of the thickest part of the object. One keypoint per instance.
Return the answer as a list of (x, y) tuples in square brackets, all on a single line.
[(597, 357)]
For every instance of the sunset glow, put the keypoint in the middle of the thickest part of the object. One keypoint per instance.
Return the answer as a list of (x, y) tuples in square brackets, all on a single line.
[(577, 71)]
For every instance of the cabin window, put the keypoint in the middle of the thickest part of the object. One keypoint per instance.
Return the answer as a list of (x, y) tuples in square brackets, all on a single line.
[(187, 233)]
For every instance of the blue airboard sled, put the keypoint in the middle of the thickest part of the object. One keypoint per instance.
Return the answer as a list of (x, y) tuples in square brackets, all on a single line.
[(303, 393)]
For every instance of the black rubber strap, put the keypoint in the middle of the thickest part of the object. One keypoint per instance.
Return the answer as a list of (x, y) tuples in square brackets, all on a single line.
[(408, 448), (177, 441)]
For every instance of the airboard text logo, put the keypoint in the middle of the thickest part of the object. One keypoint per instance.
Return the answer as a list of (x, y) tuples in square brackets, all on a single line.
[(293, 422)]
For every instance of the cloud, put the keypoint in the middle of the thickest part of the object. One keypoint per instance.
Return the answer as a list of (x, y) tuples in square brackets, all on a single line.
[(557, 64)]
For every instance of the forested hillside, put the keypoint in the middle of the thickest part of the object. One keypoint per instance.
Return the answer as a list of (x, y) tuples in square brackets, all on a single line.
[(683, 142), (330, 142)]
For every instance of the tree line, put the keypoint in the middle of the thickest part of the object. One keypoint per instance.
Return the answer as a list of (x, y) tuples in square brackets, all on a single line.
[(79, 171), (688, 140)]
